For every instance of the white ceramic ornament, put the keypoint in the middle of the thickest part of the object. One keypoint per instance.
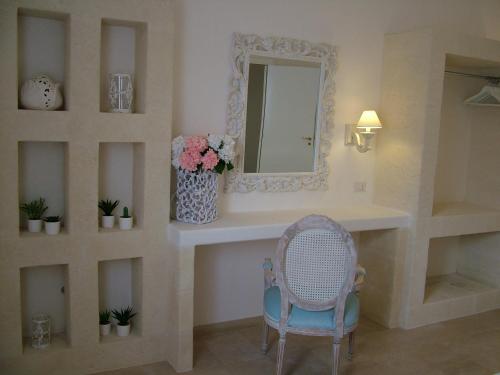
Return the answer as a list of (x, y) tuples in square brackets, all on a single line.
[(41, 92)]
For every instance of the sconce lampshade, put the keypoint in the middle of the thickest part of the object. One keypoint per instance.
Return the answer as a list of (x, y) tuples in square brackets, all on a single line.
[(369, 120)]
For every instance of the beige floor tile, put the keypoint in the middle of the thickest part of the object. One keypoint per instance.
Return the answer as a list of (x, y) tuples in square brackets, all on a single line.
[(466, 346)]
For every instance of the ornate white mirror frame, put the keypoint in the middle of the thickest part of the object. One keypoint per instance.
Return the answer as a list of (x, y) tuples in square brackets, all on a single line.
[(245, 45)]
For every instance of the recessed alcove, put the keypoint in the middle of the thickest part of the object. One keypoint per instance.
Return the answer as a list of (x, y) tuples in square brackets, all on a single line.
[(124, 50), (121, 177), (461, 266), (466, 181), (44, 290), (43, 48), (43, 173), (120, 286)]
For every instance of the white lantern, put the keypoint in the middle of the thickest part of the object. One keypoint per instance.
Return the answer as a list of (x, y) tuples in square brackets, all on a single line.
[(40, 331), (121, 93)]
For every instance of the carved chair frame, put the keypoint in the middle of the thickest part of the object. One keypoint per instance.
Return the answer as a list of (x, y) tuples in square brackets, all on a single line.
[(287, 295)]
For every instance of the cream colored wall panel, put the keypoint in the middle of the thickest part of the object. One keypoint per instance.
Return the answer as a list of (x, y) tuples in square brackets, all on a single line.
[(82, 127), (442, 152)]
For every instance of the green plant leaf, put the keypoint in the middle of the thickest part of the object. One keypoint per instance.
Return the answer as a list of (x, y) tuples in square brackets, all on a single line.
[(123, 316), (104, 317), (34, 209), (107, 206), (219, 168)]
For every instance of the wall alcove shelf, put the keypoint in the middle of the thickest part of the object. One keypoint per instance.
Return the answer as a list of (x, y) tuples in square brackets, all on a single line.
[(489, 95), (44, 288), (449, 188), (67, 156), (124, 50), (460, 267), (120, 287), (43, 47), (43, 173)]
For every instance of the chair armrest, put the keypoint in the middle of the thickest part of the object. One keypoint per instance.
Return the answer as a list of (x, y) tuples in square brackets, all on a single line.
[(359, 279), (269, 279)]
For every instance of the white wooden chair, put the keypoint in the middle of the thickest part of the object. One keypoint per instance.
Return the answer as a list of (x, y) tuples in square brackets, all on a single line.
[(313, 290)]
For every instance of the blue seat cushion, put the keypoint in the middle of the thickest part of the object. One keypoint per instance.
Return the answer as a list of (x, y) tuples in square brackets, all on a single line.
[(300, 318)]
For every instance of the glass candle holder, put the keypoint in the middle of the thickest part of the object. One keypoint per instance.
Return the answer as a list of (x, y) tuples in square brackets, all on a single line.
[(40, 331), (121, 93)]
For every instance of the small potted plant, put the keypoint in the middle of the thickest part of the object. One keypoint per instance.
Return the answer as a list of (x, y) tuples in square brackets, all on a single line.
[(34, 210), (107, 206), (123, 317), (52, 225), (125, 220), (105, 322)]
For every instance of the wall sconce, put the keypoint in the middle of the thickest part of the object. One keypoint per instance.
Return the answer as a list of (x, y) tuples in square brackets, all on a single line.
[(361, 134)]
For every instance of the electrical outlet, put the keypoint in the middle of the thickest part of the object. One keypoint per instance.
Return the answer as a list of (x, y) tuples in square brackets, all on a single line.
[(359, 186)]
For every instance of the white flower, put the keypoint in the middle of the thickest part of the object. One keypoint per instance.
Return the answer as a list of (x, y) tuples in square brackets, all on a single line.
[(226, 153), (214, 141), (228, 141), (177, 149)]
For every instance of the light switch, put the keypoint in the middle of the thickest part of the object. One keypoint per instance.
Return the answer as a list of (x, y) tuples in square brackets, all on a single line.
[(359, 186)]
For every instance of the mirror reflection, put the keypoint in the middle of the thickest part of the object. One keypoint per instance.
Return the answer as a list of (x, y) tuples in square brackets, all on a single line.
[(281, 118)]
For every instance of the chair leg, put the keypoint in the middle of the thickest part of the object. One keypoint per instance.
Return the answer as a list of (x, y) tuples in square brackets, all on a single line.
[(350, 353), (265, 338), (336, 356), (281, 353)]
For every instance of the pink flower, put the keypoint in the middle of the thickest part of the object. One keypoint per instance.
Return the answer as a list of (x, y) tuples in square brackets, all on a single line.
[(197, 143), (189, 160), (209, 160)]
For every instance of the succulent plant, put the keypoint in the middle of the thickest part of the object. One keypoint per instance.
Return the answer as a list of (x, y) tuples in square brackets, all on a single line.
[(104, 317), (52, 219), (123, 316), (125, 213), (34, 209), (107, 206)]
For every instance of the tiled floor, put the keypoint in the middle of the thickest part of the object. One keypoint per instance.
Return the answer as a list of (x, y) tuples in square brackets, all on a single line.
[(460, 347)]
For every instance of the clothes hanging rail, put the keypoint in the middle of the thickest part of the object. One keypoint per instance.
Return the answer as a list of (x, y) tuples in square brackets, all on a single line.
[(492, 79)]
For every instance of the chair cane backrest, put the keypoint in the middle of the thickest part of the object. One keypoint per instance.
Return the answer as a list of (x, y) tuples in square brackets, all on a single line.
[(317, 262)]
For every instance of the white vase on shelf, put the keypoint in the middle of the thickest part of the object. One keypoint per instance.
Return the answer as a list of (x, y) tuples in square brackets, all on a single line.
[(41, 93), (40, 331), (104, 329), (126, 223), (52, 228), (108, 222), (121, 93), (35, 226), (122, 331)]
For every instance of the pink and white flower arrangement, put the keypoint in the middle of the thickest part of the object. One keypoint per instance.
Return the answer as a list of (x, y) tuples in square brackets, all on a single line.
[(195, 153)]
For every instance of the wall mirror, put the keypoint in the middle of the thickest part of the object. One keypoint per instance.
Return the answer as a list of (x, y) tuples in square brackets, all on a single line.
[(280, 113)]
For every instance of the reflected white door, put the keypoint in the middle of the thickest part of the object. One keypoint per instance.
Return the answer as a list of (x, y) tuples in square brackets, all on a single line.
[(287, 139)]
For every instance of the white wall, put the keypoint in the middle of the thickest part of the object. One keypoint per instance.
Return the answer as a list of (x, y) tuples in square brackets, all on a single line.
[(42, 294), (42, 174), (357, 28), (119, 47), (42, 48), (115, 284), (116, 174)]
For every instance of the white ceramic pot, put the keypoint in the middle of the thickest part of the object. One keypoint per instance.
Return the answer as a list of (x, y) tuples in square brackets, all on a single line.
[(126, 223), (52, 228), (108, 221), (123, 331), (41, 92), (104, 329), (34, 226)]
